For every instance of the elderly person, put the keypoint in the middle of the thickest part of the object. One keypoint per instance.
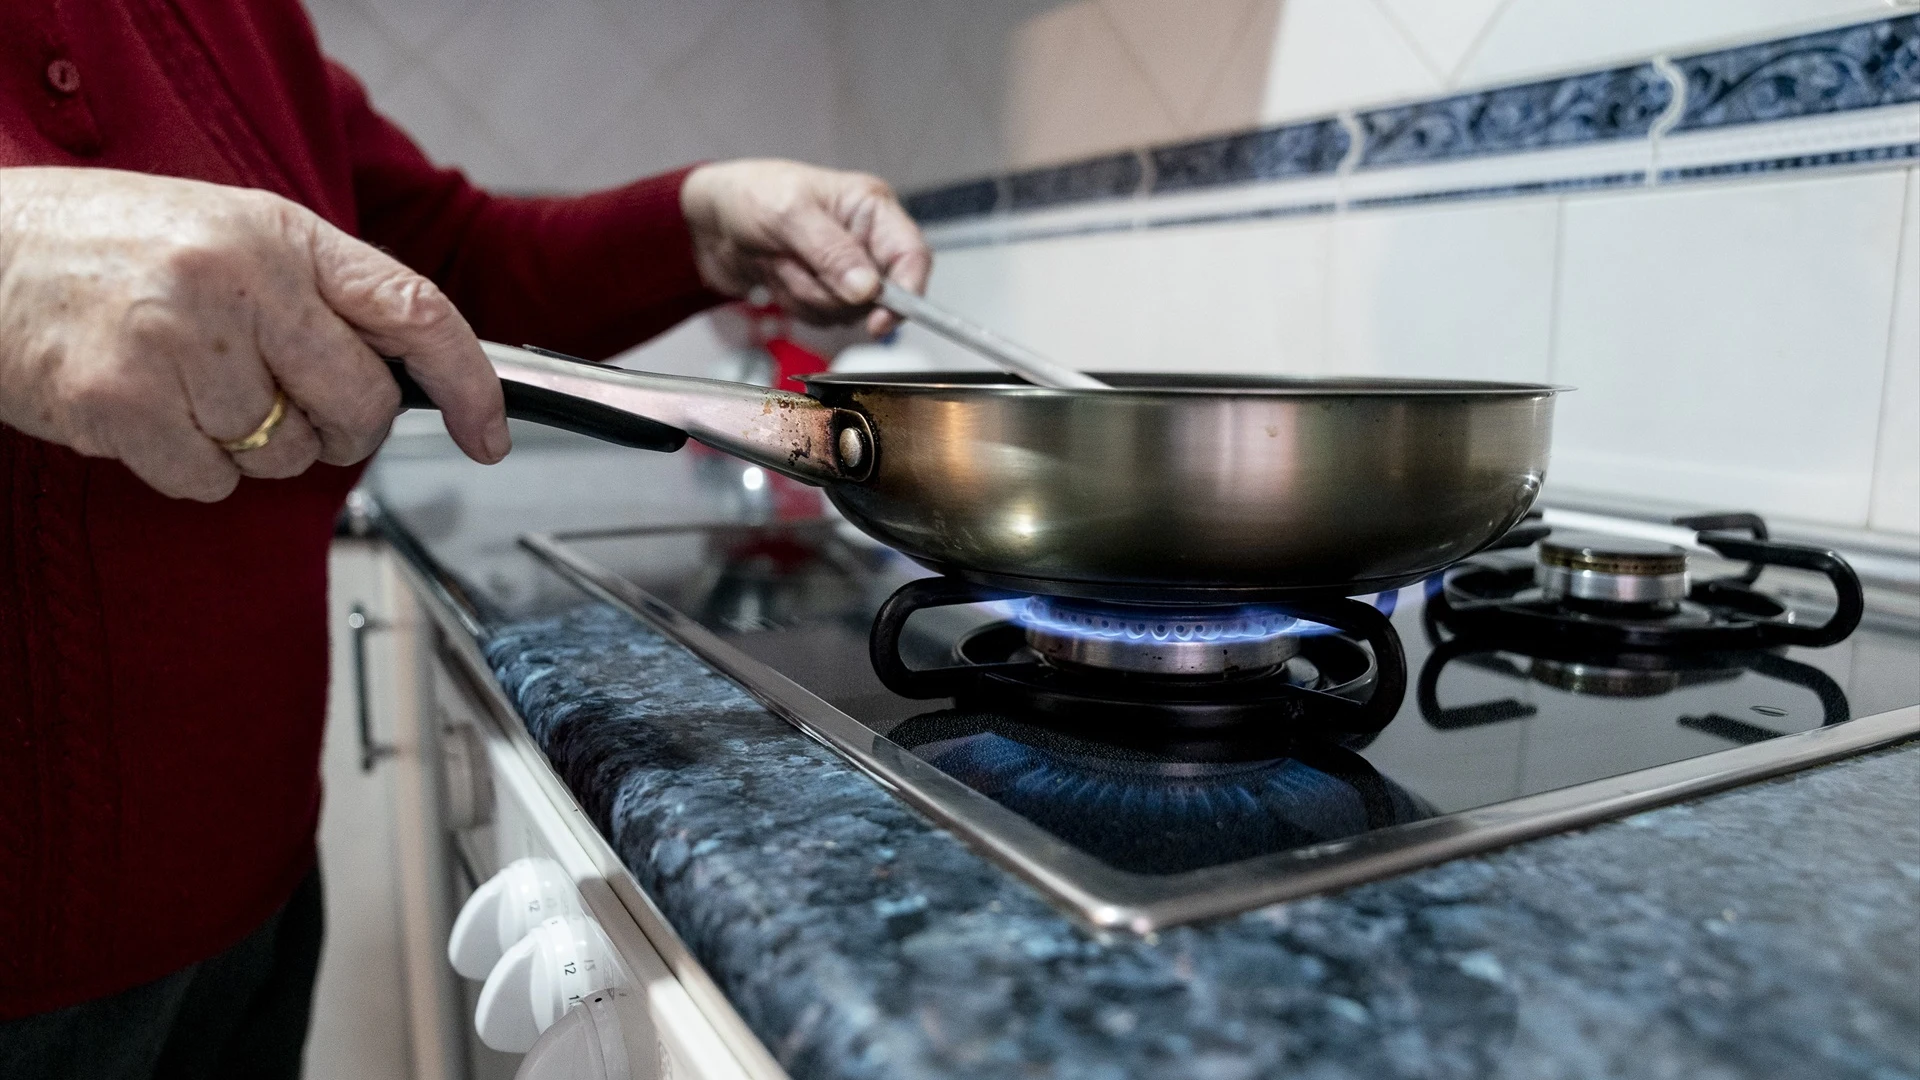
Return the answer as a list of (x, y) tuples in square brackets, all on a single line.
[(208, 239)]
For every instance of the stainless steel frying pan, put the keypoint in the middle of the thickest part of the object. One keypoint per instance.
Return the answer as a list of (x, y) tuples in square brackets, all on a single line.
[(1165, 488)]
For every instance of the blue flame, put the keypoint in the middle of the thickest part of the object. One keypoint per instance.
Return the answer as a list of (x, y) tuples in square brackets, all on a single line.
[(1145, 624), (1149, 625)]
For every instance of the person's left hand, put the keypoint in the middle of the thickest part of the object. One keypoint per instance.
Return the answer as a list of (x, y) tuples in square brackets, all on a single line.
[(819, 240)]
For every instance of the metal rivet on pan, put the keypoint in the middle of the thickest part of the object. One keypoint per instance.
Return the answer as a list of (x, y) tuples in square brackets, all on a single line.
[(853, 448)]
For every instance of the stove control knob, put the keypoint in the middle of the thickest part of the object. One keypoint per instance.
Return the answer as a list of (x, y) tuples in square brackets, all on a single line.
[(500, 912), (607, 1036), (557, 965)]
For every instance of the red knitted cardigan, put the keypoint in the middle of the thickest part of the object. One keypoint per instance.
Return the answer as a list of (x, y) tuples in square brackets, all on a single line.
[(163, 664)]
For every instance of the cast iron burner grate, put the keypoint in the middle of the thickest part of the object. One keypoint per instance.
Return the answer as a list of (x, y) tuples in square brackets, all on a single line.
[(1334, 666), (1592, 595)]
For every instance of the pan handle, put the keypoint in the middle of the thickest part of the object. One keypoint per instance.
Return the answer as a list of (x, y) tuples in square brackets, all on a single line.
[(791, 434), (539, 405)]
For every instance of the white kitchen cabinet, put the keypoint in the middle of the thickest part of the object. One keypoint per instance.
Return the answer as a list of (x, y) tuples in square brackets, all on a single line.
[(431, 794)]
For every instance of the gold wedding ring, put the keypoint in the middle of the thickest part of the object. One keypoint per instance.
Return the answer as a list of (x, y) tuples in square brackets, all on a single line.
[(259, 436)]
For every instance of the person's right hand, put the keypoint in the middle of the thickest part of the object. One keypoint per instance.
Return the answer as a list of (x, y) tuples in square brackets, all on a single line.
[(150, 319)]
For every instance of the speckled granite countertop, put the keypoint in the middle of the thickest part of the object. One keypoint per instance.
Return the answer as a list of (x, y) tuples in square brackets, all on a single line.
[(1771, 931)]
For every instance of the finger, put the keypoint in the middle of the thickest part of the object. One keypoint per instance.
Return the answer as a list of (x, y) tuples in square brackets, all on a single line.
[(899, 247), (402, 314), (880, 322), (834, 255), (150, 429), (332, 376), (800, 292), (215, 389), (291, 449), (229, 390), (173, 458)]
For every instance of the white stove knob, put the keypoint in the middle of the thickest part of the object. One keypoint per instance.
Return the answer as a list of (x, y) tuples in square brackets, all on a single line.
[(557, 965), (607, 1036), (524, 894)]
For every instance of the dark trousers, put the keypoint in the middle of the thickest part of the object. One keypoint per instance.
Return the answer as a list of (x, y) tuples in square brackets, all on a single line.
[(240, 1014)]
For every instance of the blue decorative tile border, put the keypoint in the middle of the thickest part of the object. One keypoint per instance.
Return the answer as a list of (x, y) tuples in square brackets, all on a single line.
[(1854, 67), (1597, 107), (1266, 154), (1864, 66)]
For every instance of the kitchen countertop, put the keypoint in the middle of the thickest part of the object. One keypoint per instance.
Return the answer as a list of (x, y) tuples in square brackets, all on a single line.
[(1765, 931)]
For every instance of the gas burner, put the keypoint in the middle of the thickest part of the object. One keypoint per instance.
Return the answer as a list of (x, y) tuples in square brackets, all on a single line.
[(1607, 594), (1611, 570), (1331, 666), (1203, 642)]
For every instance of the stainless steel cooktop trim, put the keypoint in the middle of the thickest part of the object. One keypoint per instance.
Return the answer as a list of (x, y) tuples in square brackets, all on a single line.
[(1105, 898)]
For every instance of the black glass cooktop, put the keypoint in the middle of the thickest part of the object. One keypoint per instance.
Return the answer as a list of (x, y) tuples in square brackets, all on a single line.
[(1134, 823)]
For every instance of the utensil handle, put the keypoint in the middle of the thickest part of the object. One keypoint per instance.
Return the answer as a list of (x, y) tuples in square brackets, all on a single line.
[(1018, 359), (554, 409), (791, 434)]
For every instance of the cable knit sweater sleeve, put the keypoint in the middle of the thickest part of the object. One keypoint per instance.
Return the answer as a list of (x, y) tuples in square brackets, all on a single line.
[(588, 275)]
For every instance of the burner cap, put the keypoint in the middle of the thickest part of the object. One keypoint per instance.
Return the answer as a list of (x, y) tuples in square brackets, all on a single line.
[(1612, 569), (1159, 641)]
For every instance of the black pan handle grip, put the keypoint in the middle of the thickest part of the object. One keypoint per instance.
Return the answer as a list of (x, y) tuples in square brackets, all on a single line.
[(539, 405)]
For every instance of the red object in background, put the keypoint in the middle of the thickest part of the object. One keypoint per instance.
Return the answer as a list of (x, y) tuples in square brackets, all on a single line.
[(791, 360), (771, 329)]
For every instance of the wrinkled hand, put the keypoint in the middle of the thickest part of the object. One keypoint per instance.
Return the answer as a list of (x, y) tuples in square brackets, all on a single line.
[(149, 319), (819, 240)]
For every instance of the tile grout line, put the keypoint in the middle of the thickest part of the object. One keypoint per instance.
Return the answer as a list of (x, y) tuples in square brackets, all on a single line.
[(1474, 47), (1410, 41), (1553, 288), (1908, 214), (1669, 117)]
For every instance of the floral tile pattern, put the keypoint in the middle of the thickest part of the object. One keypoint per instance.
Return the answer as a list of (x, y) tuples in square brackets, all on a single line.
[(974, 198), (1111, 177), (1266, 154), (1620, 104), (1868, 65), (1854, 67)]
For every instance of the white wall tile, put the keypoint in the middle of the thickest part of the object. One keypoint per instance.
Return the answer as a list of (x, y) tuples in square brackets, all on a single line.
[(1074, 90), (1337, 54), (551, 75), (454, 130), (1728, 343), (1457, 292), (1183, 48), (1245, 298), (1240, 91), (350, 33), (763, 83), (909, 109), (1536, 37), (1896, 479), (1078, 299), (417, 25), (974, 282), (1444, 32), (1250, 297), (650, 133)]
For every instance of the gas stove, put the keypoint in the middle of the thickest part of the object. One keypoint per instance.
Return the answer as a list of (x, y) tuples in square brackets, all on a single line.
[(1148, 764)]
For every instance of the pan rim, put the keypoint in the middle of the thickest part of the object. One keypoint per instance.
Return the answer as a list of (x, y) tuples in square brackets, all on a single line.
[(1184, 384)]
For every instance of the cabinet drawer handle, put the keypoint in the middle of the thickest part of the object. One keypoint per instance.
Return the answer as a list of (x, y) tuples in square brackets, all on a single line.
[(359, 625)]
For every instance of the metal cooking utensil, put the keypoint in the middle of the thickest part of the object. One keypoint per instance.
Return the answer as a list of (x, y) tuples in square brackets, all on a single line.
[(1011, 356), (1156, 488)]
